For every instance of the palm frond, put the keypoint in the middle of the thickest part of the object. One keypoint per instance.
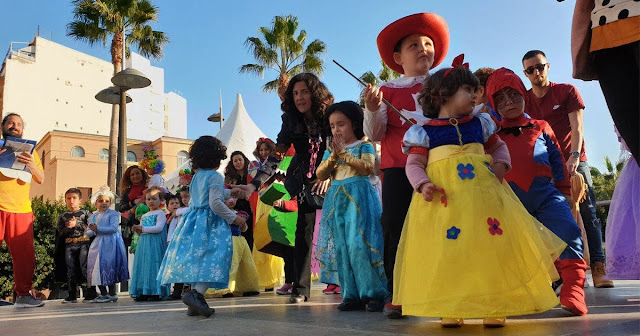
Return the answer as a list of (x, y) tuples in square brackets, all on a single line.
[(270, 86), (148, 42), (313, 64), (316, 48), (255, 69), (88, 32)]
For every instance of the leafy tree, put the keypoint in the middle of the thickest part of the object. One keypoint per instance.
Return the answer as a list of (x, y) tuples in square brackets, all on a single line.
[(603, 186), (97, 21), (384, 75), (278, 48)]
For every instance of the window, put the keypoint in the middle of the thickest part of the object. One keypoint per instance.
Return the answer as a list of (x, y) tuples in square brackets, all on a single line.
[(86, 192), (42, 160), (131, 157), (77, 151), (103, 154), (183, 157)]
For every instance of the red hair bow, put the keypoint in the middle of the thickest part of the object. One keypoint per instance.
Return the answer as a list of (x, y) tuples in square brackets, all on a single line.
[(457, 63), (261, 140)]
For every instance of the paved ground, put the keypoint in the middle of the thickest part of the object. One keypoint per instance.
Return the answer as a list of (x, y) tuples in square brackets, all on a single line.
[(612, 312)]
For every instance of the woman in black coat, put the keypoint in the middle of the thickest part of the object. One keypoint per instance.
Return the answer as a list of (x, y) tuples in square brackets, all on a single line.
[(303, 107)]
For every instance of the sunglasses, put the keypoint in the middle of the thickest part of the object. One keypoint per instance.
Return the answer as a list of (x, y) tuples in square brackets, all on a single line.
[(539, 67)]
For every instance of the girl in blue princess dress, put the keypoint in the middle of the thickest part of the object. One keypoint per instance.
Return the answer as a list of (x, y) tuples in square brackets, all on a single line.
[(200, 251), (351, 212)]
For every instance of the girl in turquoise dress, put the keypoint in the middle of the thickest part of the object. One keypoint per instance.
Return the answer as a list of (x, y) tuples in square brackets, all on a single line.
[(201, 250), (151, 246), (351, 213)]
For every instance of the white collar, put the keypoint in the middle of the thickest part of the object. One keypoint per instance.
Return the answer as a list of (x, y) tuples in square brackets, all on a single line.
[(404, 82)]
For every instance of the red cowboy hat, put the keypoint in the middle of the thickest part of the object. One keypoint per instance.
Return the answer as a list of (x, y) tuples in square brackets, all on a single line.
[(429, 24)]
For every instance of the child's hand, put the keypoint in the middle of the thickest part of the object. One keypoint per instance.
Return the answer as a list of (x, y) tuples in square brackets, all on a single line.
[(337, 144), (372, 98), (427, 190), (499, 169), (240, 221), (278, 203), (93, 227), (71, 223)]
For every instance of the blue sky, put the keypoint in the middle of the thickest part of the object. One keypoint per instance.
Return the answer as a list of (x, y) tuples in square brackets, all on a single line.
[(207, 48)]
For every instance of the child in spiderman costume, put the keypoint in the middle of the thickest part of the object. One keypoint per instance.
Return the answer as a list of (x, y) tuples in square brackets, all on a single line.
[(539, 178)]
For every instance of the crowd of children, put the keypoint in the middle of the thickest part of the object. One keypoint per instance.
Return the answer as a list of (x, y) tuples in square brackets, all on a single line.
[(472, 187)]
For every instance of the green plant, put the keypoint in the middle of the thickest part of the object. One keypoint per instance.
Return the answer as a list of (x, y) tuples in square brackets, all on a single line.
[(603, 186)]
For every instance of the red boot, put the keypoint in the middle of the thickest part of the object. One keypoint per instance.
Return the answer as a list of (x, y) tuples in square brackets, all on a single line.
[(572, 272)]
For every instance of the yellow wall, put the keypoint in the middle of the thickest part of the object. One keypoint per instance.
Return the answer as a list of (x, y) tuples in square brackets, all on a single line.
[(62, 171)]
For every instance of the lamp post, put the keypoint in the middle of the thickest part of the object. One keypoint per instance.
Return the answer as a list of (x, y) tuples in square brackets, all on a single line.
[(216, 117), (123, 81)]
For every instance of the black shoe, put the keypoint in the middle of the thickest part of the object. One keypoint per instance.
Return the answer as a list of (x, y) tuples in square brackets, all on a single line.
[(375, 306), (227, 295), (70, 300), (196, 301), (141, 298), (173, 297), (297, 298), (268, 289), (254, 293), (351, 305), (192, 312), (154, 298)]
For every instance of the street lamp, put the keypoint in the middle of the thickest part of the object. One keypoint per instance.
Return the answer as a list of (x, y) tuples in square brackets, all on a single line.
[(216, 117), (123, 81)]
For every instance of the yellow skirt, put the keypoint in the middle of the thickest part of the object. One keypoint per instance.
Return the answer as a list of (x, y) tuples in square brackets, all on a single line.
[(243, 276), (270, 268), (474, 251)]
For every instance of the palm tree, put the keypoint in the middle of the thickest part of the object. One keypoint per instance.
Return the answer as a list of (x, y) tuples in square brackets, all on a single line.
[(95, 21), (384, 75), (279, 49)]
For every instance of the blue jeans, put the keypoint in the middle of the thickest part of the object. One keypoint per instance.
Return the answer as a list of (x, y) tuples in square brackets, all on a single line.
[(592, 225)]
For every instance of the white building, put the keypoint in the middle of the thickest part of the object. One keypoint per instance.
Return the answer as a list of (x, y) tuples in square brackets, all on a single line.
[(53, 88)]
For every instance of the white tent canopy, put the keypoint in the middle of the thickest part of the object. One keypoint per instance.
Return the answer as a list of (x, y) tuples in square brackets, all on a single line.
[(239, 133)]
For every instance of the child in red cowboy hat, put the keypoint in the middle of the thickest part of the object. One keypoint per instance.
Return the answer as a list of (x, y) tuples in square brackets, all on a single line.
[(410, 46)]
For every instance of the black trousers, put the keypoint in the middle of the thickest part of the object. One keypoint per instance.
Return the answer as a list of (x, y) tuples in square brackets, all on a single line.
[(302, 250), (112, 290), (289, 265), (396, 198), (619, 75), (75, 257)]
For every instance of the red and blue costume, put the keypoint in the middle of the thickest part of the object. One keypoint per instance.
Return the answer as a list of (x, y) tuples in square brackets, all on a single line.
[(539, 178)]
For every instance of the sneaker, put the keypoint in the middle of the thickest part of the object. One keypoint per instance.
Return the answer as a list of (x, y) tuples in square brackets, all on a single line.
[(285, 290), (330, 289), (557, 286), (351, 306), (103, 299), (252, 293), (27, 301), (337, 290), (451, 322), (297, 298), (494, 322), (392, 311), (70, 300), (268, 289), (598, 271), (113, 298)]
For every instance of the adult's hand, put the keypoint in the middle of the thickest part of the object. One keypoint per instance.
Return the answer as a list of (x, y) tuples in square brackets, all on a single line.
[(320, 187), (572, 165), (242, 190)]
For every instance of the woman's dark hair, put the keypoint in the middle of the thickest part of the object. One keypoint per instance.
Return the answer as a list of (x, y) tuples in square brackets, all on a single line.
[(438, 89), (207, 152), (352, 111), (259, 144), (125, 182), (231, 175), (320, 95)]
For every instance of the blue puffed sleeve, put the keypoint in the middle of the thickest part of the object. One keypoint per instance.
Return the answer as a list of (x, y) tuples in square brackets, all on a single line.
[(489, 126), (416, 136)]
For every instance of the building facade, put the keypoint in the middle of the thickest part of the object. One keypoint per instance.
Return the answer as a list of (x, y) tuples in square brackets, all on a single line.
[(53, 88), (76, 160)]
